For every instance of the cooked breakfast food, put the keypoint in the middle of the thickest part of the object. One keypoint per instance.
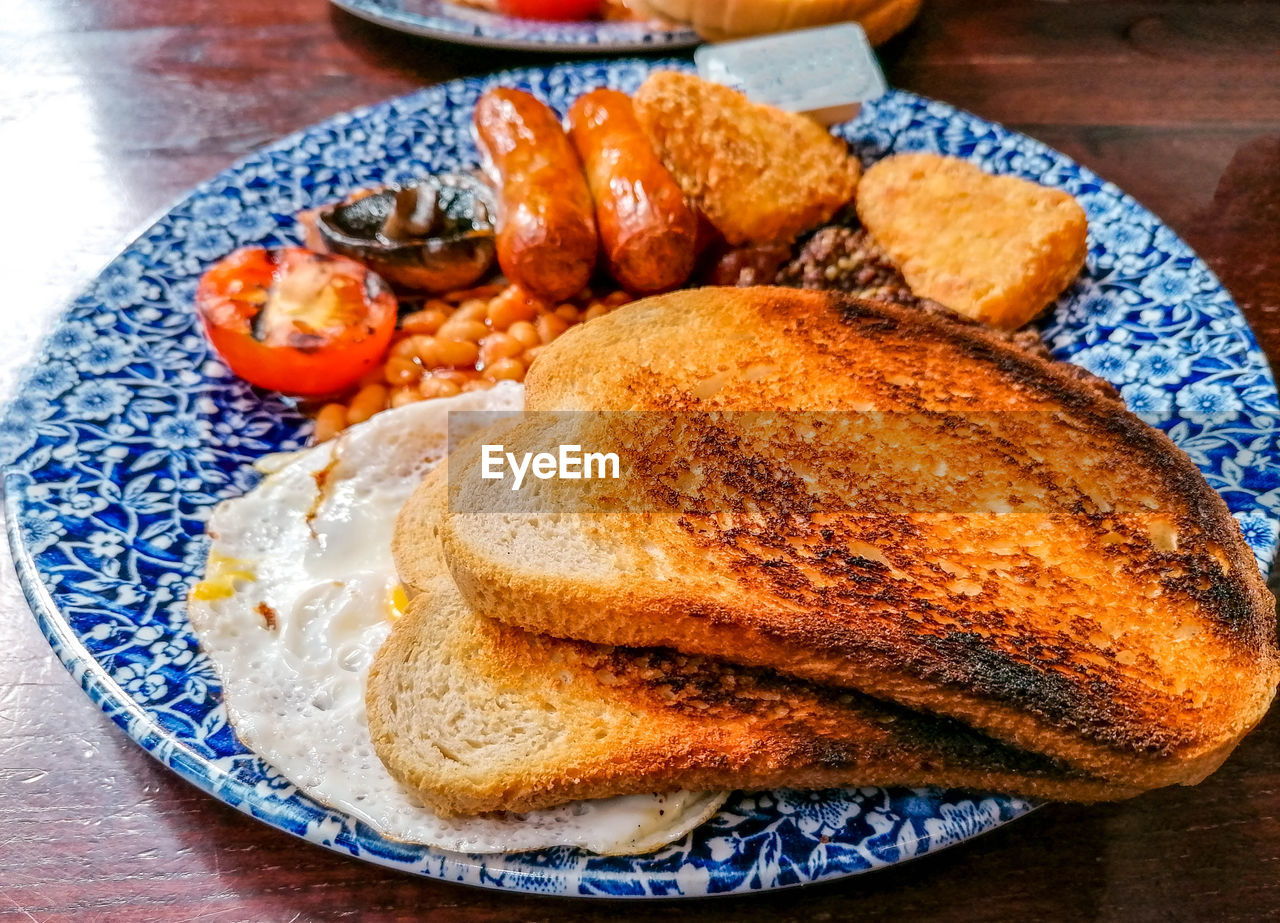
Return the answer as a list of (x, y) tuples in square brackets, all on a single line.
[(299, 593), (759, 174), (1074, 587), (981, 572), (777, 209), (845, 259), (881, 19), (450, 687), (296, 321), (545, 9), (459, 342), (546, 221), (996, 248), (432, 235), (648, 233)]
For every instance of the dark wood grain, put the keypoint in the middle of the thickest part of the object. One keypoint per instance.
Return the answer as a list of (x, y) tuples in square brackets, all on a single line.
[(109, 109)]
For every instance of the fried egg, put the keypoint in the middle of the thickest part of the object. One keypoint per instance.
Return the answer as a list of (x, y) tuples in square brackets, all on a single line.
[(299, 593)]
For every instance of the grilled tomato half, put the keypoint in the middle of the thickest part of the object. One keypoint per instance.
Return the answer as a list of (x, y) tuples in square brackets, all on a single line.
[(296, 321), (550, 9)]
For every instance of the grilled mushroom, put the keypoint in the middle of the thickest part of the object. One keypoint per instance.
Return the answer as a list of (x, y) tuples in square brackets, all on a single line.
[(432, 235)]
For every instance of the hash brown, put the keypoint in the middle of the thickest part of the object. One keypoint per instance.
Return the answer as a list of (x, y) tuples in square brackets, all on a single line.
[(759, 174), (994, 248)]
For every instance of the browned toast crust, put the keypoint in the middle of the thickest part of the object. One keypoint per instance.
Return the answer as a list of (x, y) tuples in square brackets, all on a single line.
[(1137, 645)]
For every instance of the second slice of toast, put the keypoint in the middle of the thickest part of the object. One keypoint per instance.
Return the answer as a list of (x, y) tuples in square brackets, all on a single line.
[(476, 715)]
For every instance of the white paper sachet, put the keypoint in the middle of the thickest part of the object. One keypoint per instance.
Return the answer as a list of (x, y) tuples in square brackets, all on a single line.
[(824, 73)]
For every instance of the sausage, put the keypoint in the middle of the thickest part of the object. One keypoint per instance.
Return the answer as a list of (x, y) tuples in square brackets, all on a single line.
[(649, 233), (547, 238)]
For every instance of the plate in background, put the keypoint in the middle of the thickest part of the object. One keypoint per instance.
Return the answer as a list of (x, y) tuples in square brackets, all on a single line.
[(455, 22)]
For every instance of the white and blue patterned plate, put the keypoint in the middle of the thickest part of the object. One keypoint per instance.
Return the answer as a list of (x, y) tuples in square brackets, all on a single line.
[(126, 431), (454, 22)]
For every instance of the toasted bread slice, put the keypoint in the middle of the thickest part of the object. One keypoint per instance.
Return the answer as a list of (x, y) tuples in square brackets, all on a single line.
[(759, 174), (1117, 621), (477, 716), (995, 248)]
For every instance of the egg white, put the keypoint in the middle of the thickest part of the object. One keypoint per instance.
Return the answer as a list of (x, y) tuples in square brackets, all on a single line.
[(300, 591)]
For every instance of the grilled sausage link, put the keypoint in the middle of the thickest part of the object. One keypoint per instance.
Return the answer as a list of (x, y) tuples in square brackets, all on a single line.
[(547, 238), (648, 231)]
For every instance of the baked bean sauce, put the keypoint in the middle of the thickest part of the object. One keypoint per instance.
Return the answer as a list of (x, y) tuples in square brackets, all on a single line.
[(461, 341)]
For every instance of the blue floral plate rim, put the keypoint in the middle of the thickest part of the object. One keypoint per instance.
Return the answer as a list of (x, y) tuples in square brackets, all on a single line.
[(782, 823)]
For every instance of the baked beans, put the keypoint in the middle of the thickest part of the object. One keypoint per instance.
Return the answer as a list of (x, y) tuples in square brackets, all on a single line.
[(461, 341)]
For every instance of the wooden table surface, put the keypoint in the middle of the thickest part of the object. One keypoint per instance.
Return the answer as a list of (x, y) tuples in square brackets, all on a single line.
[(109, 109)]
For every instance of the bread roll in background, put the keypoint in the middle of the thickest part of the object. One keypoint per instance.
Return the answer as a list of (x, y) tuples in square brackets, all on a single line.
[(717, 20)]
